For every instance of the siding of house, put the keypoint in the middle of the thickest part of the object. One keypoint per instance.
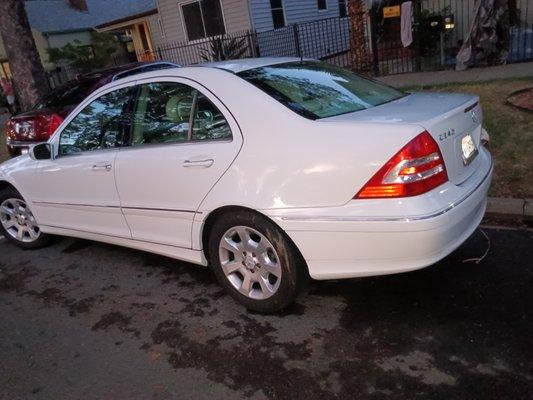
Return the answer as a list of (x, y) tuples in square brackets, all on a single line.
[(235, 12), (295, 11), (155, 31)]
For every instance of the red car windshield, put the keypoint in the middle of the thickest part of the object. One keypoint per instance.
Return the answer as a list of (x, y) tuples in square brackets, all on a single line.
[(68, 95)]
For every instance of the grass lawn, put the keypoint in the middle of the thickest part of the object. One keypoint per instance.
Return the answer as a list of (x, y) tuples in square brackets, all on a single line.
[(511, 133)]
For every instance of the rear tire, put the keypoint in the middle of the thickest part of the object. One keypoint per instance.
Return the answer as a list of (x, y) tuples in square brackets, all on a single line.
[(17, 223), (255, 261)]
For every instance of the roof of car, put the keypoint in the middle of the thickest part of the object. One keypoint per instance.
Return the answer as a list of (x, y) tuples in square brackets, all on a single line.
[(245, 64), (120, 71)]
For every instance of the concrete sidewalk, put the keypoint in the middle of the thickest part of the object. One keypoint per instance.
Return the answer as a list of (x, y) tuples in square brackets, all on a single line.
[(518, 70)]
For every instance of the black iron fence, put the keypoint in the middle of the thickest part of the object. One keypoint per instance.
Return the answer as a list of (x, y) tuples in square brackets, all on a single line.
[(322, 39), (440, 28)]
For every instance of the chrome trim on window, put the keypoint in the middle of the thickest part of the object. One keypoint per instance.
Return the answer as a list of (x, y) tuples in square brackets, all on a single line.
[(49, 203)]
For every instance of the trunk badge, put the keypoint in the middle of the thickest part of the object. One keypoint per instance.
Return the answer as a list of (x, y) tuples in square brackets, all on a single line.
[(474, 117)]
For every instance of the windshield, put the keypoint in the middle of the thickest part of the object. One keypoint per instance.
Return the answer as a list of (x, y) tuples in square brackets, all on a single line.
[(318, 90), (65, 96)]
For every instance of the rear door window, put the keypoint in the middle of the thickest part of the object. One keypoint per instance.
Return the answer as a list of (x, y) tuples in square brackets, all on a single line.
[(170, 112), (162, 113)]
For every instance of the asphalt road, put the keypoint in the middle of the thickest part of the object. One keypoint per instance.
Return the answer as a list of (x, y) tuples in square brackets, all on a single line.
[(82, 320)]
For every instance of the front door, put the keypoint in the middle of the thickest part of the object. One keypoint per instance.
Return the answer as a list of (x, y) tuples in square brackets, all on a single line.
[(182, 141), (77, 190)]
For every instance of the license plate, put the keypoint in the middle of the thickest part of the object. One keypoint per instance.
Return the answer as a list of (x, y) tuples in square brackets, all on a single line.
[(469, 149)]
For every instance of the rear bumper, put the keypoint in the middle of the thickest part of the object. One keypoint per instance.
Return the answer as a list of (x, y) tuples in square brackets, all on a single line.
[(16, 148), (354, 245)]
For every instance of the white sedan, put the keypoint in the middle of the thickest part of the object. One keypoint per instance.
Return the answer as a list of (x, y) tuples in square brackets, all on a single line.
[(268, 170)]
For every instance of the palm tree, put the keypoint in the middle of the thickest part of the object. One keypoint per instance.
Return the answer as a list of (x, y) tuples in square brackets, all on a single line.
[(29, 78), (358, 40)]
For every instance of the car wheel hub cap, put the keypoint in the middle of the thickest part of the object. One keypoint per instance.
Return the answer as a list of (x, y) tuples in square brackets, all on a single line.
[(250, 262), (18, 221)]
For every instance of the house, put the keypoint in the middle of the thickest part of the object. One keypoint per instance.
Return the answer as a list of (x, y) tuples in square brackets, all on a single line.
[(186, 20), (55, 23), (275, 14), (179, 27), (144, 29)]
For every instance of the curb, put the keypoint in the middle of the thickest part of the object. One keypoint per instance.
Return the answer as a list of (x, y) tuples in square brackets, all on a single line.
[(510, 208)]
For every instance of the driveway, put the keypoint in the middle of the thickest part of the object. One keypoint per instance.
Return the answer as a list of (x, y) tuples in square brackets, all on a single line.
[(82, 320)]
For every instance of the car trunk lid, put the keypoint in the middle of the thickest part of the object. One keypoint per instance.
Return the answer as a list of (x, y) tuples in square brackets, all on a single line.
[(452, 119)]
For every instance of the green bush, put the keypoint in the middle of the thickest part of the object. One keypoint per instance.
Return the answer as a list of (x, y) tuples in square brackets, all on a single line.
[(86, 57)]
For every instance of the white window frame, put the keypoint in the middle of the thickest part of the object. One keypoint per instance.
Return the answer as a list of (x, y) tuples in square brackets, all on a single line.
[(181, 4), (161, 27), (322, 9)]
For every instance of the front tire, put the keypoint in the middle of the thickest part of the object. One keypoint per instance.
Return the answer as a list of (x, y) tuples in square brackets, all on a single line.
[(255, 262), (17, 223)]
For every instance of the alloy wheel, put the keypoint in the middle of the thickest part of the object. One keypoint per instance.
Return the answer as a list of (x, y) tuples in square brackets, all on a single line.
[(18, 221), (250, 262)]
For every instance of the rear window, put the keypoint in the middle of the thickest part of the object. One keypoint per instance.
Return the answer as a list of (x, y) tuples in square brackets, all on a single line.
[(318, 90), (65, 96)]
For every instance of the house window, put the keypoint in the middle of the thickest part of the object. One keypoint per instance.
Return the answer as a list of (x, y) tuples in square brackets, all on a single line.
[(322, 5), (343, 12), (203, 19), (278, 15)]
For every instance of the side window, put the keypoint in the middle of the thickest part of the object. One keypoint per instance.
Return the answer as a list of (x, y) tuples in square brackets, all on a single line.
[(162, 113), (209, 123), (166, 112), (102, 124)]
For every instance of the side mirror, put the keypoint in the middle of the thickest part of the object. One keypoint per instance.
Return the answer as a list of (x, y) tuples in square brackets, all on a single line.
[(41, 151)]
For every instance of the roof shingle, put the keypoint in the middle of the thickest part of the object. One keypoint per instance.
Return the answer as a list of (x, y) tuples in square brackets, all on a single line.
[(55, 16)]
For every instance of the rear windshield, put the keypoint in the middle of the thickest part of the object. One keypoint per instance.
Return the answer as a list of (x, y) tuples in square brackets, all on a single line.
[(318, 90), (68, 95)]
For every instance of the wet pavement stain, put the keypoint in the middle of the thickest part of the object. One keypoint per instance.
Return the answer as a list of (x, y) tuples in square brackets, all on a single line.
[(77, 245), (116, 319)]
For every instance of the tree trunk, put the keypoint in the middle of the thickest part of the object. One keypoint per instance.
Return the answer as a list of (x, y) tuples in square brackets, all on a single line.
[(29, 79), (358, 39)]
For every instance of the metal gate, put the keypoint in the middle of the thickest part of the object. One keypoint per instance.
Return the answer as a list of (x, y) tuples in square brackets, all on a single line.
[(440, 29)]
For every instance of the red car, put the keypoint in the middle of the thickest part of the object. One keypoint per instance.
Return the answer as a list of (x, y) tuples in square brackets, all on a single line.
[(38, 124)]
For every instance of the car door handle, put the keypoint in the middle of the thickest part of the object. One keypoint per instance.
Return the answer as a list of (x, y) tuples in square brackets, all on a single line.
[(104, 166), (198, 163)]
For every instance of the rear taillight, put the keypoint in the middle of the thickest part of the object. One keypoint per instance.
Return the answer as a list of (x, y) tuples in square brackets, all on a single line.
[(417, 168), (52, 123), (8, 129), (33, 128), (44, 126)]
